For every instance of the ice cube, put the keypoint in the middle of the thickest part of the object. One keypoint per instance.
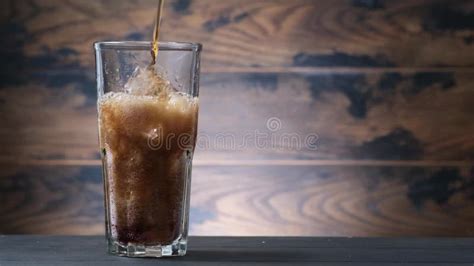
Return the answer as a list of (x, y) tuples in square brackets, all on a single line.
[(147, 82)]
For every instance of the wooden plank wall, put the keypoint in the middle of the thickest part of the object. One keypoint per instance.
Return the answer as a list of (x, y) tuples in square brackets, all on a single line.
[(383, 89)]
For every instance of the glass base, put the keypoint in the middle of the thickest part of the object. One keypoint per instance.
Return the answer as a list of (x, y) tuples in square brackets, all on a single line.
[(177, 248)]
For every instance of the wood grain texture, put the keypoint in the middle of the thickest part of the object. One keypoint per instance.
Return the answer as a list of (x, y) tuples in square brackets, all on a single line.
[(66, 200), (385, 116), (250, 33), (50, 250), (385, 87), (323, 116), (259, 200)]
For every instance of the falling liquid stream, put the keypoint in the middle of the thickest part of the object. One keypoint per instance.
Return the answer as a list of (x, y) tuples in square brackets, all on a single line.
[(156, 32)]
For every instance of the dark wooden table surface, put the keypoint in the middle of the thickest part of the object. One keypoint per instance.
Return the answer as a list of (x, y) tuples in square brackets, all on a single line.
[(90, 250)]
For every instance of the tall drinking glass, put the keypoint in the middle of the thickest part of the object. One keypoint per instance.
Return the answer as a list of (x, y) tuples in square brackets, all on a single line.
[(147, 134)]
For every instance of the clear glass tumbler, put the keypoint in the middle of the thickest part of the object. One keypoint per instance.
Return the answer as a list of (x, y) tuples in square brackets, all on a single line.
[(147, 133)]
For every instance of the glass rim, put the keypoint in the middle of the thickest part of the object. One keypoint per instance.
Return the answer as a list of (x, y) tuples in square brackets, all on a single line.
[(146, 45)]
